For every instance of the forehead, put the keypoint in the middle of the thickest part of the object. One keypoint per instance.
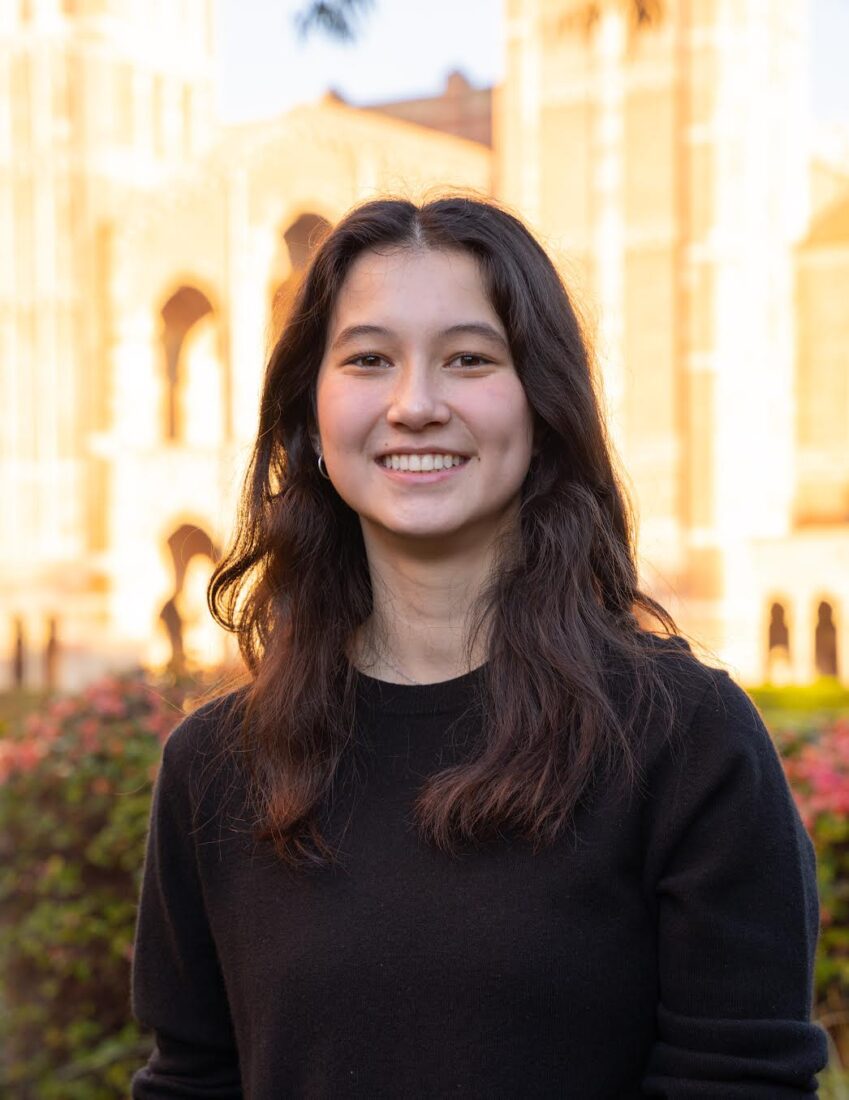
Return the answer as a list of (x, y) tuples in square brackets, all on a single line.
[(413, 285)]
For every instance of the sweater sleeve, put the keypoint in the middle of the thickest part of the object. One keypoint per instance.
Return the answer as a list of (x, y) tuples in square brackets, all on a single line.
[(177, 986), (733, 876)]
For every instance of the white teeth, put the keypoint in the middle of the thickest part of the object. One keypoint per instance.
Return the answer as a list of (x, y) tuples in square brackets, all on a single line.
[(420, 463)]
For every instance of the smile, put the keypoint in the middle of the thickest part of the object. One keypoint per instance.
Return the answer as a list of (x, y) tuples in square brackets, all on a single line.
[(423, 463)]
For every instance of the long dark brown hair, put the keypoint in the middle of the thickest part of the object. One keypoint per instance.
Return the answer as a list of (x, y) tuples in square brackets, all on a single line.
[(562, 613)]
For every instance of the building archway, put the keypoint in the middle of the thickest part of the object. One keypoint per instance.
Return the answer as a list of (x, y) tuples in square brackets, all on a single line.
[(295, 249), (825, 640), (195, 405), (778, 645), (194, 639)]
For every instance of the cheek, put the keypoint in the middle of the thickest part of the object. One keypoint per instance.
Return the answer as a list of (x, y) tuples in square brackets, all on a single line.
[(344, 416), (506, 418)]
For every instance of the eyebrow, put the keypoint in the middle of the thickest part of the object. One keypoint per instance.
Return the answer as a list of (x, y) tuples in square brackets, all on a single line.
[(471, 328)]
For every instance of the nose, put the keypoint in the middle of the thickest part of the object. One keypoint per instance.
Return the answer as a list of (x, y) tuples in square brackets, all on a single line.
[(416, 399)]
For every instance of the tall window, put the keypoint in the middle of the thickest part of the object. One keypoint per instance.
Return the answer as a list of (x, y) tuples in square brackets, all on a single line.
[(181, 312), (825, 642), (778, 646)]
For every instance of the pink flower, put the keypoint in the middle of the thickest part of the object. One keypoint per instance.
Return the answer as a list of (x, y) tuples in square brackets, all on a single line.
[(819, 774), (19, 757), (89, 731), (7, 757), (33, 724), (63, 708)]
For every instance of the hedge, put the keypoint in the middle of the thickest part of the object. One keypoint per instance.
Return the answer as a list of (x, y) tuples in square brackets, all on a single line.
[(75, 788)]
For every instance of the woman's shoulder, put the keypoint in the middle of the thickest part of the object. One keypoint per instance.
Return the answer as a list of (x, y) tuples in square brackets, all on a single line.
[(687, 675), (659, 670), (204, 736), (713, 714)]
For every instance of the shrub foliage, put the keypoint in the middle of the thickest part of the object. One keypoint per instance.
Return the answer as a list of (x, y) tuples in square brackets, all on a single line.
[(817, 765), (75, 787)]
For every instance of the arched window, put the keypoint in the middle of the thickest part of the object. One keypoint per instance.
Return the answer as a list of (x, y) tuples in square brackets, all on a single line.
[(194, 382), (195, 640), (19, 659), (778, 646), (779, 635), (200, 394), (825, 640), (51, 654), (294, 251)]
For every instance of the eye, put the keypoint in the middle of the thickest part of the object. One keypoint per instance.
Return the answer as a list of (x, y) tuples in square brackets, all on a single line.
[(368, 360), (469, 359)]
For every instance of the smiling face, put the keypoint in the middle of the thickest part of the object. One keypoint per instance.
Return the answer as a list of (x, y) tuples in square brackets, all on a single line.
[(417, 372)]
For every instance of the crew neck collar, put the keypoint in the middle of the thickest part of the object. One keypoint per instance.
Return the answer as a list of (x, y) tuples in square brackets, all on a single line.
[(438, 698)]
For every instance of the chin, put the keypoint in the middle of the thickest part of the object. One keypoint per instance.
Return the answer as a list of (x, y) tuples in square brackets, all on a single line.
[(415, 527), (425, 532), (441, 534)]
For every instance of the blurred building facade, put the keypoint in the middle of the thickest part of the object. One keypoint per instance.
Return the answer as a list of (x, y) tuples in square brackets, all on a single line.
[(149, 255), (99, 104), (670, 160)]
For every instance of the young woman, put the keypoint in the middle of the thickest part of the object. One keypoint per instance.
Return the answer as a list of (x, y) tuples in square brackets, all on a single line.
[(471, 829)]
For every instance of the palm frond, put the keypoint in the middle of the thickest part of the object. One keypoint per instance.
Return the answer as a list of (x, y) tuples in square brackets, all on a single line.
[(339, 19)]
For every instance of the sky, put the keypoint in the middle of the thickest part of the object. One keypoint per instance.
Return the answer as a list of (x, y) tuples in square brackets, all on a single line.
[(407, 47)]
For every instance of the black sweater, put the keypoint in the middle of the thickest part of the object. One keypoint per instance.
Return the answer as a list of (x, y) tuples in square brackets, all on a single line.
[(665, 950)]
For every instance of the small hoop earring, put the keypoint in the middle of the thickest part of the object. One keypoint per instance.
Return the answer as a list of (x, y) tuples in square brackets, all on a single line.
[(322, 468)]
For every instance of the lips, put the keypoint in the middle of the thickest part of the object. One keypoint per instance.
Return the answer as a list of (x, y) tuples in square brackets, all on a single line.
[(421, 451)]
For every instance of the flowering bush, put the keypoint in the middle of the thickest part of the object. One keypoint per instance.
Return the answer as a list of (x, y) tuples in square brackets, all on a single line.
[(75, 787), (817, 766)]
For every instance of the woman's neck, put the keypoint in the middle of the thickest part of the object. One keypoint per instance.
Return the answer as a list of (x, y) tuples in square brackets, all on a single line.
[(423, 610)]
